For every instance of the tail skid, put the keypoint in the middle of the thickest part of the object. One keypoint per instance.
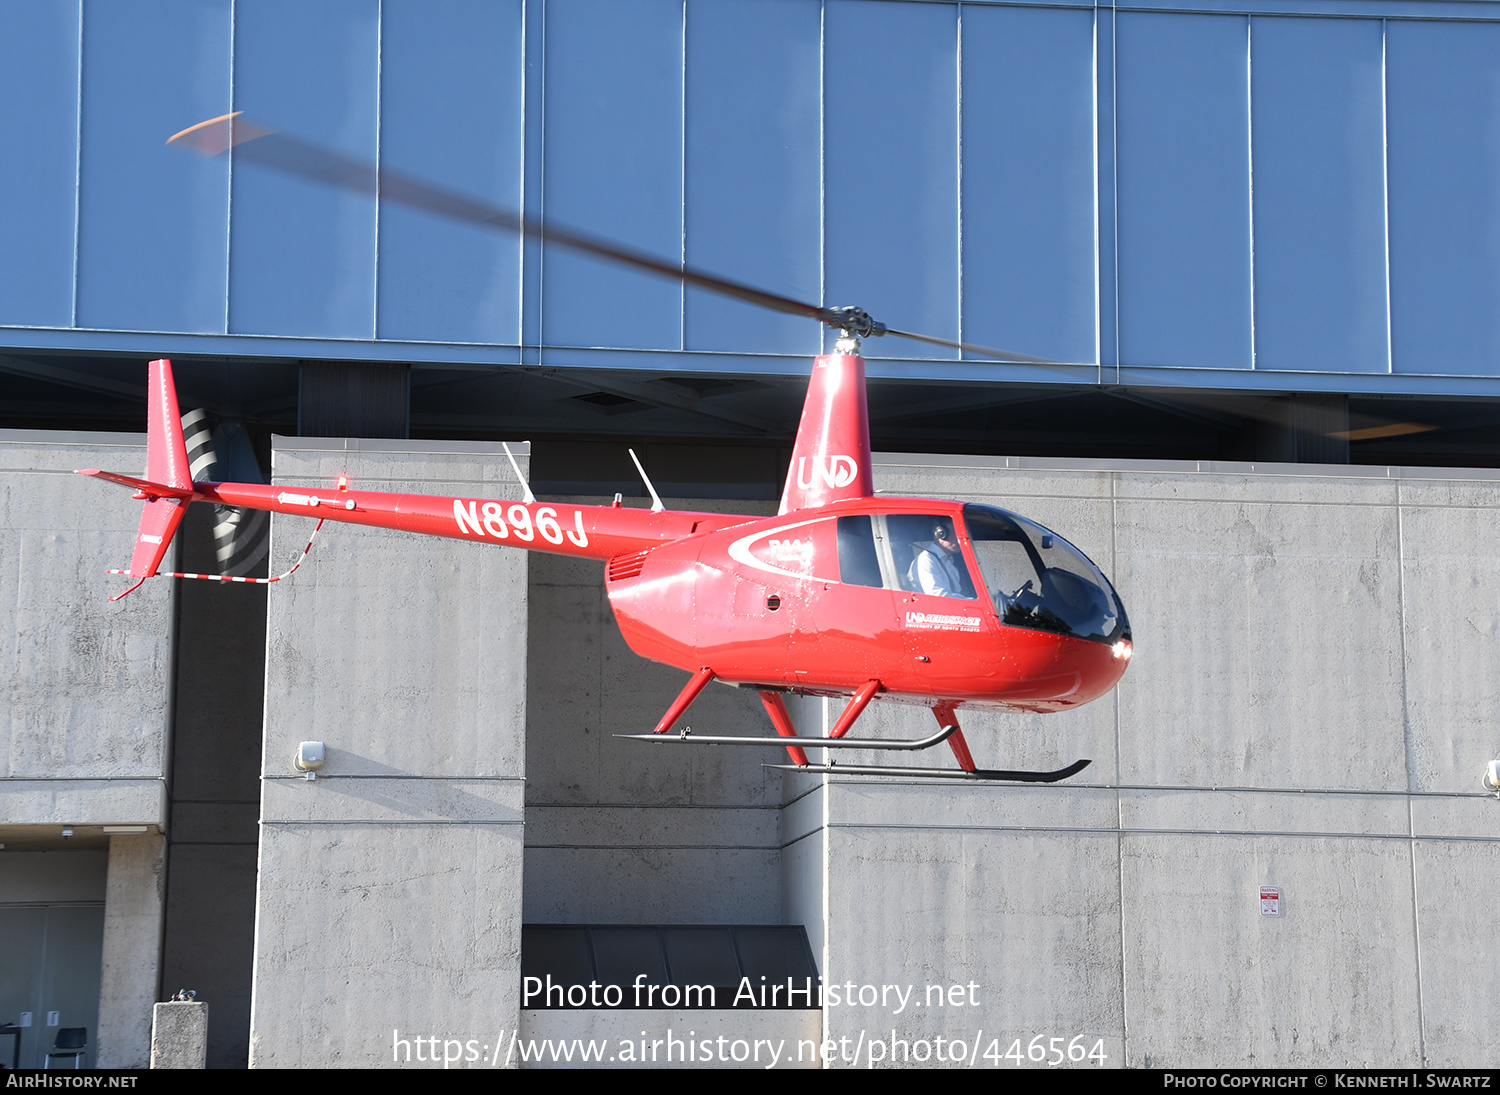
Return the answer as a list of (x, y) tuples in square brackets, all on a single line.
[(297, 562)]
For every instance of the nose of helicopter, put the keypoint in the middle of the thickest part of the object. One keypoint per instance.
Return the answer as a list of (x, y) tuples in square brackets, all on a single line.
[(1045, 671)]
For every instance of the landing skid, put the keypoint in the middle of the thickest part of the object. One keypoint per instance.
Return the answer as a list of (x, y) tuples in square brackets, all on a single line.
[(797, 746), (981, 774)]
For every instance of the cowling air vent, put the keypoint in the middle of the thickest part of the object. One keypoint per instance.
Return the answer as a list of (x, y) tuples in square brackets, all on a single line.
[(622, 567)]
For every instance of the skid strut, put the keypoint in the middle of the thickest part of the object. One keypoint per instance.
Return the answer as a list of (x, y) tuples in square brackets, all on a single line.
[(684, 699), (776, 708), (947, 717), (856, 708)]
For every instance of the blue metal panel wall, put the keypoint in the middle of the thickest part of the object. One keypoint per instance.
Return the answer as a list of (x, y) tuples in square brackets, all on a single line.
[(302, 256), (451, 111), (1289, 199), (1029, 276), (1443, 85), (152, 238), (754, 167), (613, 166), (891, 104), (38, 161), (1183, 126), (1317, 112)]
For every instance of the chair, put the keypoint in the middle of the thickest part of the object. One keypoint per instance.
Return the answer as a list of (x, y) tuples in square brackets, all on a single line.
[(71, 1042)]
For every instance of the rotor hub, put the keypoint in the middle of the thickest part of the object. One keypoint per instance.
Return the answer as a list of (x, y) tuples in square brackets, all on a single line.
[(854, 323)]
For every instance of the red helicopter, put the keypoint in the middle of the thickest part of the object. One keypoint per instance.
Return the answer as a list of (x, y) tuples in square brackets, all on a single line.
[(934, 603)]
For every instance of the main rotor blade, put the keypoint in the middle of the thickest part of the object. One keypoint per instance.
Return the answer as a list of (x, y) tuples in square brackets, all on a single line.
[(259, 144), (969, 347)]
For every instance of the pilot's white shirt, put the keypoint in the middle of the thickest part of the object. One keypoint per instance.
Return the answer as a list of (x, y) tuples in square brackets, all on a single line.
[(938, 573)]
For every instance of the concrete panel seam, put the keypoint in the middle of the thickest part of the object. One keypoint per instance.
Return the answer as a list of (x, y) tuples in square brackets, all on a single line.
[(1408, 745), (653, 806), (397, 447), (373, 822), (1261, 500), (798, 798), (812, 832), (1087, 465), (80, 438), (446, 779), (1311, 835), (659, 847), (113, 780), (1416, 934)]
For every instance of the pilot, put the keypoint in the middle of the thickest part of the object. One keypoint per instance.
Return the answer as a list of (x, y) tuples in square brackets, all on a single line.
[(939, 567)]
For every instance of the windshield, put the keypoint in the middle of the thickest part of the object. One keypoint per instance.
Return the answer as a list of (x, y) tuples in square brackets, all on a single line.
[(1040, 581)]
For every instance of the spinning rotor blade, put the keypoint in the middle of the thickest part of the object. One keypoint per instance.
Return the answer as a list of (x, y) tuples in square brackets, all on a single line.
[(266, 147), (969, 347), (1219, 408)]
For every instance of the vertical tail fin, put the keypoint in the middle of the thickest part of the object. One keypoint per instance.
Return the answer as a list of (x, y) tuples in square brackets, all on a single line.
[(831, 457), (166, 464)]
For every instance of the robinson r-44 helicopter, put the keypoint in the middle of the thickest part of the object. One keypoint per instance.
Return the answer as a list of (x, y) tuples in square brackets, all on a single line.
[(842, 594)]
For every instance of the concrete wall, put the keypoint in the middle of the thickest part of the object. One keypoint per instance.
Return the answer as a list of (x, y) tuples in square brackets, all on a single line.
[(1308, 708), (83, 728), (135, 896), (624, 832), (389, 893)]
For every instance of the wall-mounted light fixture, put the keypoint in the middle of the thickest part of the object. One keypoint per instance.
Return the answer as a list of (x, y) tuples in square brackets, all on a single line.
[(309, 758)]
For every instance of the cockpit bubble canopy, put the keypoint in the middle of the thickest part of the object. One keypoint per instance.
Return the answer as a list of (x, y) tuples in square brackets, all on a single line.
[(1038, 580)]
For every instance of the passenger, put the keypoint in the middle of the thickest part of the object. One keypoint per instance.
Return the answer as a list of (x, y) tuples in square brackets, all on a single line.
[(939, 567)]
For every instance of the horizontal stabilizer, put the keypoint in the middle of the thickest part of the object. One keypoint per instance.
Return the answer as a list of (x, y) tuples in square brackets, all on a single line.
[(153, 490)]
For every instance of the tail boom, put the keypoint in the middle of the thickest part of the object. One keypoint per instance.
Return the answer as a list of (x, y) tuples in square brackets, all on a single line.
[(591, 532)]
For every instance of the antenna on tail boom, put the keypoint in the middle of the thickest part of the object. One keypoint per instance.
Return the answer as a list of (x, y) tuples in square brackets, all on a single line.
[(525, 486), (656, 506)]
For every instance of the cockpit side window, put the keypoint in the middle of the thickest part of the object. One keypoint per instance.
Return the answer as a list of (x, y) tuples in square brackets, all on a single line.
[(915, 552), (859, 562)]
